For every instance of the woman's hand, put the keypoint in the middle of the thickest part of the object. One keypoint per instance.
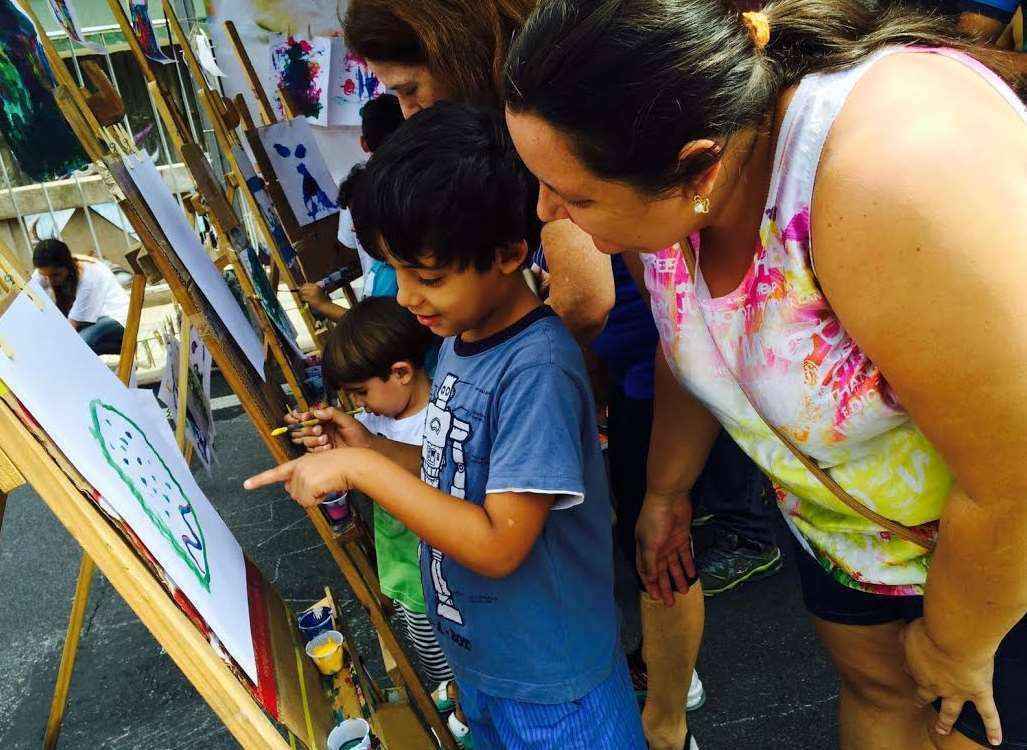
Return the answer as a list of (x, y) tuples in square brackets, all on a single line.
[(955, 679), (311, 478), (337, 430), (664, 551)]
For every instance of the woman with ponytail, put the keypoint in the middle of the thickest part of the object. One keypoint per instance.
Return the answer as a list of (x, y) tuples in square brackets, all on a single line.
[(844, 189)]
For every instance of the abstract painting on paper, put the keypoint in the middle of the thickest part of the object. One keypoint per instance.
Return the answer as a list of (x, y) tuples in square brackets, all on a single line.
[(31, 123), (300, 72), (145, 34), (300, 169), (123, 453), (351, 85), (64, 13), (258, 189)]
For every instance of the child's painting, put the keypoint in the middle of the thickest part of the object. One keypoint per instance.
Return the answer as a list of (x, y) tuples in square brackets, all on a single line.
[(191, 253), (300, 69), (126, 456), (64, 13), (351, 85), (199, 419), (31, 123), (267, 209), (300, 169), (145, 34)]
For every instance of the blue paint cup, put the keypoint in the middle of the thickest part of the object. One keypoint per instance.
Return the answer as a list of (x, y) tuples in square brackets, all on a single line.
[(314, 622)]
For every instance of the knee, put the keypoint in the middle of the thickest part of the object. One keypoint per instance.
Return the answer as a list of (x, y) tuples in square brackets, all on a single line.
[(878, 690)]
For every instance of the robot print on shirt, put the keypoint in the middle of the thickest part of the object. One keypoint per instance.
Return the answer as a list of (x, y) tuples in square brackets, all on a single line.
[(442, 428)]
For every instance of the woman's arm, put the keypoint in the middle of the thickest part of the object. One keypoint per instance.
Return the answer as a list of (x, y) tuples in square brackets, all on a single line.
[(683, 434), (926, 267), (580, 279)]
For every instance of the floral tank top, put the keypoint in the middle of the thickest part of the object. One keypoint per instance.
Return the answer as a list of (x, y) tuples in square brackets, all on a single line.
[(777, 335)]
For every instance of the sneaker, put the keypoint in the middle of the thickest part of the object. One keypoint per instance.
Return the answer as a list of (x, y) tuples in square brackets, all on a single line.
[(730, 562), (461, 733), (696, 694), (690, 743), (443, 703)]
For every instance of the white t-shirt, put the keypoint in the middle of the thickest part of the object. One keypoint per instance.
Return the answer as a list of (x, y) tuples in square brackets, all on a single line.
[(98, 295), (348, 237), (409, 430)]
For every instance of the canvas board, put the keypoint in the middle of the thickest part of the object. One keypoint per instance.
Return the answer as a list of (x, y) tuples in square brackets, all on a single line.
[(300, 169), (193, 256), (98, 424)]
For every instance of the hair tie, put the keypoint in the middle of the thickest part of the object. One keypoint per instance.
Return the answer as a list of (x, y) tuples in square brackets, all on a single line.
[(759, 28)]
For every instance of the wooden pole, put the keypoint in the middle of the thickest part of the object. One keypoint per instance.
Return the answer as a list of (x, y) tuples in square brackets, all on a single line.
[(267, 111), (126, 363)]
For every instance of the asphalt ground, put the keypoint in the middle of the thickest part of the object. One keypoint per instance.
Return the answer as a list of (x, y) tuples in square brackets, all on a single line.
[(768, 682)]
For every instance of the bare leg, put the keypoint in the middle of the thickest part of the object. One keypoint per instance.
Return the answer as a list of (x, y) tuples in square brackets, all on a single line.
[(670, 644), (877, 706)]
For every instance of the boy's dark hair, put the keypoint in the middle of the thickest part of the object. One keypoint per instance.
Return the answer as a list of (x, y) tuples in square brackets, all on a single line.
[(379, 119), (447, 185), (374, 335), (349, 186)]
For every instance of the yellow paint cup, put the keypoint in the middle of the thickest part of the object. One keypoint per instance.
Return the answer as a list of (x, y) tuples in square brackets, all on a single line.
[(326, 651)]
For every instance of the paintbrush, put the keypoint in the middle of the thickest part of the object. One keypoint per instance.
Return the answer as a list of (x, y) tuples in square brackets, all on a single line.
[(308, 423)]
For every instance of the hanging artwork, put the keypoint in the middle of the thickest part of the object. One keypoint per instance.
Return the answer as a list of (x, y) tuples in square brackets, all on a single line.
[(137, 474), (199, 422), (64, 13), (187, 246), (300, 69), (205, 54), (267, 209), (145, 34), (35, 130), (351, 85), (300, 169)]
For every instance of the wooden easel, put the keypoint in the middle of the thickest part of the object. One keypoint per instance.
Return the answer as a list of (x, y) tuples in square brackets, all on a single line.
[(224, 120), (298, 701), (264, 404)]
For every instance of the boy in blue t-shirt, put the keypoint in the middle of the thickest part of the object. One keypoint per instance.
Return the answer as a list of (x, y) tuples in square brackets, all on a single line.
[(508, 491)]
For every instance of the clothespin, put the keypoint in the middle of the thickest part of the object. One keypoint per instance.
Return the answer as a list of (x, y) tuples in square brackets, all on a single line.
[(6, 350)]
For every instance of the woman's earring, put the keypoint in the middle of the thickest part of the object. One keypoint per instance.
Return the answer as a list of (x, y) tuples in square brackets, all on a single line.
[(701, 204)]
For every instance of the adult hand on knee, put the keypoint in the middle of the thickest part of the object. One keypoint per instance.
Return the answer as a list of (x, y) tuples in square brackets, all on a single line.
[(953, 678), (664, 550)]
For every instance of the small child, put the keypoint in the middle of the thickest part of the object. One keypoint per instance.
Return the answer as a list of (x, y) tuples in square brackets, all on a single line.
[(377, 354), (508, 492)]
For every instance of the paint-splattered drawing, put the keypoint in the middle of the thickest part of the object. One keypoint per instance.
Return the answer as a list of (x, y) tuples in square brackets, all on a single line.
[(300, 69), (145, 34), (130, 453), (258, 189), (351, 85), (34, 128), (300, 169)]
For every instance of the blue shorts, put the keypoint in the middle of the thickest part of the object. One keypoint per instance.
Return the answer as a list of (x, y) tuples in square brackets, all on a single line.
[(606, 718)]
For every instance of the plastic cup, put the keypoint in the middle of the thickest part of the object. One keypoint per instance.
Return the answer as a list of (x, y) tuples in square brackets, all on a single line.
[(337, 508), (314, 622), (352, 734), (326, 651)]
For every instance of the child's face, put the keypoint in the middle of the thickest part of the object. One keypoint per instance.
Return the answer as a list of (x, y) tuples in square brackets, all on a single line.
[(451, 301), (387, 398)]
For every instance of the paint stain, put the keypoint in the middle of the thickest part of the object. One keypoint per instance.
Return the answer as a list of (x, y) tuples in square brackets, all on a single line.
[(38, 135), (315, 200)]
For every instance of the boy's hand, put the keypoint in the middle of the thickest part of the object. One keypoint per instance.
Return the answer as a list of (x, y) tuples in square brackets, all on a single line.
[(337, 430), (314, 295), (310, 478)]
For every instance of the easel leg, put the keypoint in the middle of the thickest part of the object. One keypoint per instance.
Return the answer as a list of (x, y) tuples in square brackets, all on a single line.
[(78, 614)]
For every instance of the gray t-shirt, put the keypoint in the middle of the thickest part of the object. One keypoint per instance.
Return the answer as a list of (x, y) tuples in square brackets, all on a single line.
[(514, 413)]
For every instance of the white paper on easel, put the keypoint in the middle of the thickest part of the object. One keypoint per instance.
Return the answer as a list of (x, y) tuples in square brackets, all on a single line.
[(98, 424), (300, 169), (205, 54), (190, 252)]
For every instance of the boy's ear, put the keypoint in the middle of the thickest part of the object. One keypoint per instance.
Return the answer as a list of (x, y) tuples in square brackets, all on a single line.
[(363, 145), (403, 372), (511, 258)]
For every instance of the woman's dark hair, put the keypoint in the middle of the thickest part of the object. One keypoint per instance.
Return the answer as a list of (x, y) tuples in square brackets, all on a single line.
[(55, 254), (447, 185), (379, 119), (462, 42), (373, 336), (630, 82)]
